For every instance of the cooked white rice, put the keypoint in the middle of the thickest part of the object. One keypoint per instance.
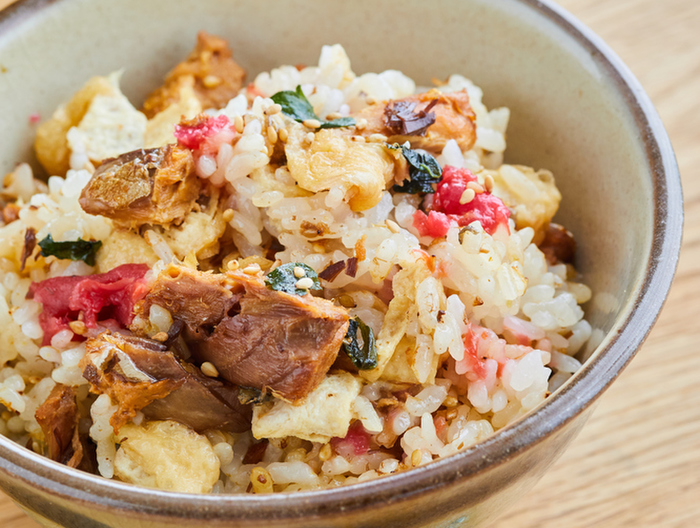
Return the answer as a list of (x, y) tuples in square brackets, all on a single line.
[(501, 284)]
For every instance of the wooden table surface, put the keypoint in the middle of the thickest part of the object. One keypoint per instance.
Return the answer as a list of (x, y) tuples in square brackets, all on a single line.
[(637, 461)]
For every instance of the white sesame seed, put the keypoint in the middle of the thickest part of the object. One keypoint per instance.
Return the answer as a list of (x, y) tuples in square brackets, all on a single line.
[(478, 189), (312, 123), (251, 269), (211, 81), (238, 123), (392, 226), (232, 265), (361, 124), (304, 284), (271, 135), (209, 369), (299, 272), (378, 138), (359, 139), (161, 336), (310, 137), (273, 109), (78, 327), (488, 182), (283, 134), (467, 196)]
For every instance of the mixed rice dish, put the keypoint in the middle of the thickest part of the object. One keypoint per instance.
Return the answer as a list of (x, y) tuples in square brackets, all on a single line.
[(301, 282)]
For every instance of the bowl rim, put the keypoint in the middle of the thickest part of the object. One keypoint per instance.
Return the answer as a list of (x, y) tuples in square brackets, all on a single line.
[(551, 416)]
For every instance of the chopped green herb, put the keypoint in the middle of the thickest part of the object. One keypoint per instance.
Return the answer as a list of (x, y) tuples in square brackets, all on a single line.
[(80, 249), (365, 357), (297, 106), (423, 169), (283, 279)]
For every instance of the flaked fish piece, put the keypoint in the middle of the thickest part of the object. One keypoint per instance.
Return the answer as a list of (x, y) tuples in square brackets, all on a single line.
[(255, 337), (209, 69), (454, 119), (142, 375), (146, 186)]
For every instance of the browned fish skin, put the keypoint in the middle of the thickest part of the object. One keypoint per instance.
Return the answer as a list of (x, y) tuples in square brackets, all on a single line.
[(58, 418), (160, 385), (558, 245), (254, 336), (152, 186), (454, 119), (217, 77)]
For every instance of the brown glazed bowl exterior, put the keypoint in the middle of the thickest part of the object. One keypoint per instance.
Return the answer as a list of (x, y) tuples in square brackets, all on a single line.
[(576, 110)]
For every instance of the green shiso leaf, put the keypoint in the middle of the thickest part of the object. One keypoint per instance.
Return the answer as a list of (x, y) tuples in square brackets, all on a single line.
[(423, 169), (297, 106), (363, 357), (283, 278), (84, 250)]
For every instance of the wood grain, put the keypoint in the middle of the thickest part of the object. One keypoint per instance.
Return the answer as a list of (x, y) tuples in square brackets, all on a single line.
[(637, 461)]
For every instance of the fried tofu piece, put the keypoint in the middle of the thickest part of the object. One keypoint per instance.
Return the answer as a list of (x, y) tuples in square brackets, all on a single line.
[(531, 195), (454, 119), (161, 127), (311, 420), (215, 76), (51, 143), (152, 186), (168, 456), (334, 160)]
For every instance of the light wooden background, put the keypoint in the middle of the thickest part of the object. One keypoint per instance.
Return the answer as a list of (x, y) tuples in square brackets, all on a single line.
[(637, 461)]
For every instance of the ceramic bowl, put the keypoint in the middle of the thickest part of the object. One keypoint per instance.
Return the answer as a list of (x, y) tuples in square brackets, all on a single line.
[(576, 110)]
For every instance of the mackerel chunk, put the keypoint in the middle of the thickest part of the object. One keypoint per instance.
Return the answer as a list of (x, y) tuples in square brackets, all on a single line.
[(147, 186), (256, 337), (142, 375)]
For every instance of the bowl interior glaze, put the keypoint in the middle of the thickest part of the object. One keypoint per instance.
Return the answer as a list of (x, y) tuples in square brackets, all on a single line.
[(575, 109)]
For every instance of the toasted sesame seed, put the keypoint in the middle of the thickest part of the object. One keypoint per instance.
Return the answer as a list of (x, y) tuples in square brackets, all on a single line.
[(211, 81), (299, 272), (346, 301), (451, 401), (261, 480), (359, 139), (304, 284), (416, 457), (208, 369), (251, 269), (393, 226), (238, 123), (283, 134), (334, 115), (310, 137), (273, 109), (312, 123), (361, 124), (378, 138), (467, 196), (488, 182), (78, 327), (161, 336), (474, 186), (370, 100), (271, 134), (232, 265), (227, 215), (325, 453)]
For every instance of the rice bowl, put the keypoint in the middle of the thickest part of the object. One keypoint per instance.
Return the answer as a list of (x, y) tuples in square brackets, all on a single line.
[(411, 395)]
